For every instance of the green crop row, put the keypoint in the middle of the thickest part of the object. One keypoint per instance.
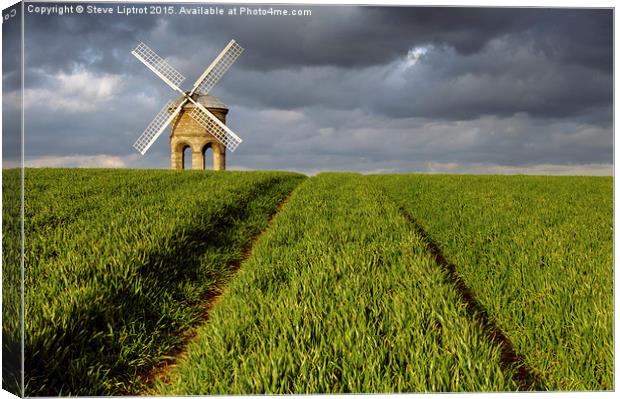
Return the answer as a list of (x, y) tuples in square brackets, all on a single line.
[(538, 254), (118, 262), (340, 295), (11, 281)]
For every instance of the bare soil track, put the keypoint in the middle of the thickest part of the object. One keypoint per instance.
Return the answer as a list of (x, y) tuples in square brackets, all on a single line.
[(526, 378), (172, 358)]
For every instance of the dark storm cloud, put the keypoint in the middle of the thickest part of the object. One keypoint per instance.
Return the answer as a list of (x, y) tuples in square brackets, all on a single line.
[(348, 87), (577, 36), (11, 51), (505, 78), (11, 83), (99, 44), (338, 36), (542, 62), (363, 36)]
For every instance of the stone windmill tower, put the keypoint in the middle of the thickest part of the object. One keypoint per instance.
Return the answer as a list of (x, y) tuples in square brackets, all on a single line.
[(188, 133), (198, 119)]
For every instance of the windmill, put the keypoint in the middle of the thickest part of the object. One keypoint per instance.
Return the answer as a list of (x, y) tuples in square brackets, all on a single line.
[(198, 105)]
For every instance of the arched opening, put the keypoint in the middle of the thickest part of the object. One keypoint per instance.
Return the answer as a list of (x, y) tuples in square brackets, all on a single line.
[(187, 157), (207, 157)]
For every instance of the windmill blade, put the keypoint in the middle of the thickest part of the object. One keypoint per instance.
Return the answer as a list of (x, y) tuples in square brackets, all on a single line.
[(214, 126), (157, 126), (217, 69), (159, 66)]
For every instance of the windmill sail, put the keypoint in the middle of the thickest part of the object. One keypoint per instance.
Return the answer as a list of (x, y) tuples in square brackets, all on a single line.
[(157, 126), (217, 69), (159, 66), (220, 131), (205, 82)]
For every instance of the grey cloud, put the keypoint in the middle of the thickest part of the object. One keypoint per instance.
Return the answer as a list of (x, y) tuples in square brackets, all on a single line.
[(507, 77), (338, 36), (365, 142), (11, 53)]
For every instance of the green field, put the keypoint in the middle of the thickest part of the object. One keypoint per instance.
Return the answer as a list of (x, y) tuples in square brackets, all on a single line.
[(392, 283), (340, 296), (538, 253), (118, 262), (11, 281)]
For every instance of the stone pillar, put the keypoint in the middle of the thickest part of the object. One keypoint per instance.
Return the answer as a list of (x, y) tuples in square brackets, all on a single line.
[(176, 159), (198, 160), (219, 156), (176, 153)]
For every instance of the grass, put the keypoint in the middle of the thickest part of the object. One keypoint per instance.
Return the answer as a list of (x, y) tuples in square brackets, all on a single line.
[(340, 295), (356, 287), (11, 281), (118, 262), (538, 253)]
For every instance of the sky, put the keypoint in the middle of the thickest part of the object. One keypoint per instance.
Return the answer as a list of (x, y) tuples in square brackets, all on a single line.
[(347, 88)]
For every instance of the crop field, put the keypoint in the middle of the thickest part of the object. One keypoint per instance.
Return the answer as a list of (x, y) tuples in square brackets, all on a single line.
[(334, 283), (340, 296), (538, 253), (354, 303), (118, 261), (11, 279)]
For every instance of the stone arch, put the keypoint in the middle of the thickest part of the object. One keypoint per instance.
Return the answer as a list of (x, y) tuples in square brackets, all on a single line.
[(218, 153), (178, 148), (204, 150)]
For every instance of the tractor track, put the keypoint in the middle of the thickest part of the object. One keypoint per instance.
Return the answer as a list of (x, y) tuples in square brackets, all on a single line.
[(210, 300), (526, 378)]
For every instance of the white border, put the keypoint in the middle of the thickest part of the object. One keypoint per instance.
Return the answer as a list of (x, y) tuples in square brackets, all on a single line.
[(480, 3)]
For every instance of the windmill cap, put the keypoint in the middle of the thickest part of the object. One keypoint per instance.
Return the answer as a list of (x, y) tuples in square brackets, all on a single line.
[(207, 101)]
